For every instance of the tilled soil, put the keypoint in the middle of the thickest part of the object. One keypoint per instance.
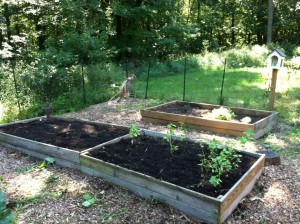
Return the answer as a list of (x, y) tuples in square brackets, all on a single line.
[(74, 135), (152, 156)]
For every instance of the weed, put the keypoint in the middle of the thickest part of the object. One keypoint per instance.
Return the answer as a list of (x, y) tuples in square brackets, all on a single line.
[(89, 200), (25, 169), (47, 161), (248, 136), (52, 178), (109, 216)]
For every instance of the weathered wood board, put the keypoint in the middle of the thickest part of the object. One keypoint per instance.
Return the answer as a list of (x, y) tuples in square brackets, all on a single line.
[(203, 207), (64, 157), (260, 127)]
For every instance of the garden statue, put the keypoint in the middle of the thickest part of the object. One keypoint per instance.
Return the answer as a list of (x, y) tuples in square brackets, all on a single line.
[(124, 89)]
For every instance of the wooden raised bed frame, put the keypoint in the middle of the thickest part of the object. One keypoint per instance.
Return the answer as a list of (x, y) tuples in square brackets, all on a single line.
[(203, 207), (259, 128), (63, 156)]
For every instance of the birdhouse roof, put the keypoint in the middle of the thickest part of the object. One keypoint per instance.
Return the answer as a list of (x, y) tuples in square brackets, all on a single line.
[(278, 51)]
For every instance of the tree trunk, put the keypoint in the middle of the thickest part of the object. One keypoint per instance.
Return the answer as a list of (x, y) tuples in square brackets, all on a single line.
[(7, 20), (270, 21), (232, 28)]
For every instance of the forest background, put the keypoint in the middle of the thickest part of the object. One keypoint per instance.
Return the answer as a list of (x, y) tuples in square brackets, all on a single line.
[(72, 52)]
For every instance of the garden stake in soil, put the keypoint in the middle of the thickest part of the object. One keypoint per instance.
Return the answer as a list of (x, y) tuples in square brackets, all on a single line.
[(221, 100), (146, 94), (184, 79)]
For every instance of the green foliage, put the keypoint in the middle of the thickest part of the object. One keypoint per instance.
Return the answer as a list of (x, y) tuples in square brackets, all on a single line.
[(47, 161), (248, 136), (169, 137), (133, 131), (89, 200), (6, 216), (254, 56), (218, 162)]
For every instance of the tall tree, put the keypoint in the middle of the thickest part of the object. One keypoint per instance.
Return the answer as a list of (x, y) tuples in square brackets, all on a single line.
[(270, 21)]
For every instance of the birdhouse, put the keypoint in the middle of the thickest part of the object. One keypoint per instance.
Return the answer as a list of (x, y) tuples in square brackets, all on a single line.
[(276, 59)]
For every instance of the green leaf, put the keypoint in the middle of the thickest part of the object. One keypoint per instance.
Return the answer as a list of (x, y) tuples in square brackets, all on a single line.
[(6, 217), (42, 165), (87, 197), (89, 203)]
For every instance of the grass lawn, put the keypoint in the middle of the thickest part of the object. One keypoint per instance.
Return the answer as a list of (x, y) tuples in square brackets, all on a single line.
[(248, 88)]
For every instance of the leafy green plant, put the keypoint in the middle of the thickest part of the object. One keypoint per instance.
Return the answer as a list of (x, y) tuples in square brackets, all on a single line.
[(89, 200), (247, 137), (219, 162), (6, 216), (168, 137), (133, 131), (47, 161)]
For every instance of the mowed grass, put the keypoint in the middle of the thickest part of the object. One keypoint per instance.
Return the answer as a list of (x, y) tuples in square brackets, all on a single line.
[(248, 88), (243, 88)]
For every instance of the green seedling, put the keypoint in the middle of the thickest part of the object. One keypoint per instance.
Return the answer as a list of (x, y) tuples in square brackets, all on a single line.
[(168, 137), (134, 131), (89, 200)]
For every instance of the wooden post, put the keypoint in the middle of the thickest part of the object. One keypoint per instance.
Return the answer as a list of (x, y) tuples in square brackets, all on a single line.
[(272, 89)]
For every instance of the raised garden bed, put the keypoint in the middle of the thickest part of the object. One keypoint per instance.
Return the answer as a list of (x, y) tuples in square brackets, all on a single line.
[(194, 115), (61, 138), (148, 169)]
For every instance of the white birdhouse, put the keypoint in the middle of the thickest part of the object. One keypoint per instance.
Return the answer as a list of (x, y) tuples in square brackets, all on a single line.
[(276, 59)]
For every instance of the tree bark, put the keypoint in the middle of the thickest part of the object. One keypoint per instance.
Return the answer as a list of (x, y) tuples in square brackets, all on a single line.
[(7, 20), (232, 28), (270, 21)]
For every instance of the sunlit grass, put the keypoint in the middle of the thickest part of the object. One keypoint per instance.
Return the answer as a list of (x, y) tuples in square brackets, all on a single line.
[(245, 88)]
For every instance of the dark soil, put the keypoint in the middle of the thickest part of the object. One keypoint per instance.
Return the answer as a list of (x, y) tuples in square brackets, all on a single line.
[(151, 156), (196, 110), (74, 135)]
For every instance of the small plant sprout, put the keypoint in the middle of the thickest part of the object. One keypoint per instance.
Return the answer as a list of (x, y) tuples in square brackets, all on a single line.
[(168, 137), (133, 132), (89, 200)]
